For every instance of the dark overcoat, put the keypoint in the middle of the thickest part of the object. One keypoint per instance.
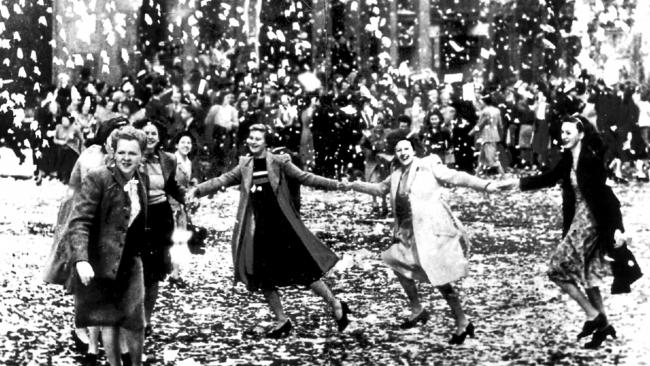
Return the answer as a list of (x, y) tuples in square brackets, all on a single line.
[(280, 168), (599, 197)]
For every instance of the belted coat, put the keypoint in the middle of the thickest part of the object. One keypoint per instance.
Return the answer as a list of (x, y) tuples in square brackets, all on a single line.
[(440, 238)]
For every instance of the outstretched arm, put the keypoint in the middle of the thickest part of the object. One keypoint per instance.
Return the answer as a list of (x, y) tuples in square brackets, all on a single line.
[(375, 189), (306, 178), (544, 180), (227, 179), (458, 178)]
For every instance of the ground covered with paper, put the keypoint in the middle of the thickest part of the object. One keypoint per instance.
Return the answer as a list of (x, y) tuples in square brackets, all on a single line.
[(520, 316)]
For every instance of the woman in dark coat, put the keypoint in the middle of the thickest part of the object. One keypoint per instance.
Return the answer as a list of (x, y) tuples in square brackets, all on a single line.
[(592, 221), (160, 168), (107, 227), (271, 246)]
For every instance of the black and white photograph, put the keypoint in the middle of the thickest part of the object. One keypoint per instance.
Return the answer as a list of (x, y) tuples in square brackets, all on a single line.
[(324, 182)]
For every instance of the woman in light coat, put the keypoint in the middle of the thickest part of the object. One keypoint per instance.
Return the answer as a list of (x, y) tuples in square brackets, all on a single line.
[(431, 243)]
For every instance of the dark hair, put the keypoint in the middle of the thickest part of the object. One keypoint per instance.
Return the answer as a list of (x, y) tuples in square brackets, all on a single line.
[(105, 129), (591, 139), (162, 131), (178, 138), (404, 118)]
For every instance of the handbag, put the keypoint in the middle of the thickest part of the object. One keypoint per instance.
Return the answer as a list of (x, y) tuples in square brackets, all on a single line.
[(197, 242), (625, 269)]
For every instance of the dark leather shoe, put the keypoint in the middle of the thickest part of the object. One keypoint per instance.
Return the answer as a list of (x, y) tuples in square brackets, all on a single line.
[(343, 322), (591, 326), (423, 317), (126, 359), (460, 338), (599, 337), (281, 332), (90, 359)]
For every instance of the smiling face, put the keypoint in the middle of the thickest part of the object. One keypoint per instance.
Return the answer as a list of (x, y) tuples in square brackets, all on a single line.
[(184, 145), (127, 156), (570, 135), (435, 120), (404, 152), (256, 142), (152, 136)]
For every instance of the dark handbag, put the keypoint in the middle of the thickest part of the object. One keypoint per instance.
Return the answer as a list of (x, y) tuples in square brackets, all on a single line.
[(625, 269), (197, 243)]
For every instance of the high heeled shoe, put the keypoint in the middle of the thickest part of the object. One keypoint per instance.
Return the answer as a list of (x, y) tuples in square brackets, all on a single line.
[(460, 338), (422, 317), (599, 337), (281, 332), (344, 321), (591, 326)]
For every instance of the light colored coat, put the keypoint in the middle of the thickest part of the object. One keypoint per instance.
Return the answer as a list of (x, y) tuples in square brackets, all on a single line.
[(440, 238)]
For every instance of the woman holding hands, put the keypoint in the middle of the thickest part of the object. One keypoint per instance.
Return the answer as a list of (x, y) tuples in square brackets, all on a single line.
[(592, 223), (431, 244), (271, 246)]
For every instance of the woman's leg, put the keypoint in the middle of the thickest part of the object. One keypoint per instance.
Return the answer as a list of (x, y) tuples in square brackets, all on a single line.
[(93, 340), (411, 291), (574, 292), (596, 299), (272, 297), (110, 337), (320, 288), (134, 341), (150, 297), (451, 296)]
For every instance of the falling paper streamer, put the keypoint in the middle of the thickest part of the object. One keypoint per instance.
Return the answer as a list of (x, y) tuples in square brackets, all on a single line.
[(453, 78), (4, 11), (548, 44), (202, 85), (78, 60), (125, 56), (455, 46), (309, 81)]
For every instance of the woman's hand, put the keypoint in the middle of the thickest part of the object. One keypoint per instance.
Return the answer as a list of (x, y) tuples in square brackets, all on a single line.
[(191, 200), (619, 239), (507, 185), (85, 272)]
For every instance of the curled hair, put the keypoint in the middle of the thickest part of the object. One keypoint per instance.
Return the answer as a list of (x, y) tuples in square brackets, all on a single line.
[(129, 133)]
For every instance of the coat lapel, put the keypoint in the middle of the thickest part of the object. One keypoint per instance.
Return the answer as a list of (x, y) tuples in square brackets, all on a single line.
[(246, 166), (166, 164), (273, 170), (415, 167)]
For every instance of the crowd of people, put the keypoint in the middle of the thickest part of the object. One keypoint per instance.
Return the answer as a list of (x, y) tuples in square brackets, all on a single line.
[(343, 127), (165, 141)]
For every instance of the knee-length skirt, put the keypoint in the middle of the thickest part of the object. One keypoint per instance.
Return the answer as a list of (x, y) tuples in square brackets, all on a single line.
[(577, 259), (112, 303)]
